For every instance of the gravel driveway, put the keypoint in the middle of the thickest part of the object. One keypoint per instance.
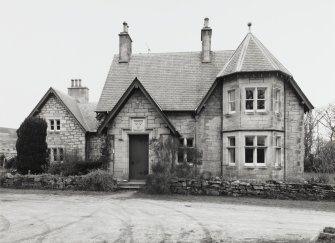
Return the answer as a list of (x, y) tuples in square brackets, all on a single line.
[(121, 217)]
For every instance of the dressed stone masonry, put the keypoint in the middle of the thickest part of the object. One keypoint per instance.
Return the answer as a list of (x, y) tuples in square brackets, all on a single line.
[(242, 109)]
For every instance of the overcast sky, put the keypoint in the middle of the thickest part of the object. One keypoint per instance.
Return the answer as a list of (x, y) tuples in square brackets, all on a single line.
[(48, 43)]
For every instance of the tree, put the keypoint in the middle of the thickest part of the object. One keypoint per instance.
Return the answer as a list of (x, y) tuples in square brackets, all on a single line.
[(31, 145)]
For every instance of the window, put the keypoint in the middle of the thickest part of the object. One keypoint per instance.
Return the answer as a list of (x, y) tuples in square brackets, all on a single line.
[(185, 150), (255, 150), (56, 154), (231, 101), (249, 99), (255, 98), (278, 147), (55, 125), (231, 150), (277, 100)]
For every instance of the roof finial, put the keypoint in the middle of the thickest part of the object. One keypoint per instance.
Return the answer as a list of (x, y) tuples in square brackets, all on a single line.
[(249, 25)]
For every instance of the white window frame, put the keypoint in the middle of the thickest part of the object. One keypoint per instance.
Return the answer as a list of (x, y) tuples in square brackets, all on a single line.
[(231, 101), (276, 100), (255, 148), (55, 125), (229, 148), (278, 151), (255, 99)]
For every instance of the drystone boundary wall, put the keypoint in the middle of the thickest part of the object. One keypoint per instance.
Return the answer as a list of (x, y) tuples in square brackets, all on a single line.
[(43, 182), (269, 189)]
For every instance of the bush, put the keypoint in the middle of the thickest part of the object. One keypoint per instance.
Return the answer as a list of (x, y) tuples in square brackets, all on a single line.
[(157, 184), (31, 145), (186, 170), (11, 163), (98, 180), (74, 167)]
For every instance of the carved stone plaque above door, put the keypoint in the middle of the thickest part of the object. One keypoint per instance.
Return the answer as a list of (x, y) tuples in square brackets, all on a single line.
[(137, 124)]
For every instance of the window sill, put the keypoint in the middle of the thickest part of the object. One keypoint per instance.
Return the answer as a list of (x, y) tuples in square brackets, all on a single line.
[(253, 166), (253, 112), (54, 132)]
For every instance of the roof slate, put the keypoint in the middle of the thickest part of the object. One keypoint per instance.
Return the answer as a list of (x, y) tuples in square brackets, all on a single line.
[(176, 81), (83, 113), (252, 56)]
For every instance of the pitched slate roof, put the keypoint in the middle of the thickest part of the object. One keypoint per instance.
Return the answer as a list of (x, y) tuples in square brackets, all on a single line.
[(176, 81), (83, 113), (252, 56)]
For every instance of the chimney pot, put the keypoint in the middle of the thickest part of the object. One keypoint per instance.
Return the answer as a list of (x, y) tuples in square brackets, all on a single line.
[(125, 27), (206, 22), (72, 82)]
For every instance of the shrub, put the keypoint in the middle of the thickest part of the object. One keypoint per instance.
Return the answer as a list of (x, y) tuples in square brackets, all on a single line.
[(74, 167), (11, 163), (186, 170), (31, 145), (98, 180), (157, 184)]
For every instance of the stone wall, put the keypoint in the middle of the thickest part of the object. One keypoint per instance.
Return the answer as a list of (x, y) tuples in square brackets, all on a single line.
[(208, 137), (71, 136), (269, 189), (94, 145), (294, 135), (45, 182)]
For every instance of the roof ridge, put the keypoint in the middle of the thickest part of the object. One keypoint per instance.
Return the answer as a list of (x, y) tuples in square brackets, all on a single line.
[(176, 52), (244, 50)]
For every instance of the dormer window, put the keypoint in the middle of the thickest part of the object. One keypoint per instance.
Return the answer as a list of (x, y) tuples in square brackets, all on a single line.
[(54, 125)]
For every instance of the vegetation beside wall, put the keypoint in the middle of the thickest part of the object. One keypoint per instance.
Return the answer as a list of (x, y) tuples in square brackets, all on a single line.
[(98, 180)]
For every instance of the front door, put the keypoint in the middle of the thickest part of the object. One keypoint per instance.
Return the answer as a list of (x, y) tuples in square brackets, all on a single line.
[(138, 156)]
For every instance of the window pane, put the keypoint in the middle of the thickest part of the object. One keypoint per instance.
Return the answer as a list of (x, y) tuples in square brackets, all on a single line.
[(260, 104), (249, 94), (181, 142), (55, 154), (278, 141), (61, 154), (231, 141), (249, 141), (261, 155), (249, 104), (231, 95), (249, 155), (58, 124), (261, 94), (231, 155), (180, 155), (277, 95), (261, 141), (190, 154), (232, 106), (278, 157), (189, 142), (52, 125)]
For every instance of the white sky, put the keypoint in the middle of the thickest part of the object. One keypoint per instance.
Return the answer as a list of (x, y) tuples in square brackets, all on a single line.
[(46, 43)]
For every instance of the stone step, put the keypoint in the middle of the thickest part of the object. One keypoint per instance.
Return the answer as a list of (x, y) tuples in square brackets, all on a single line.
[(134, 185)]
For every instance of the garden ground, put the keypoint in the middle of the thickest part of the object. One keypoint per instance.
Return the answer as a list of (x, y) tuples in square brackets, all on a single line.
[(54, 216)]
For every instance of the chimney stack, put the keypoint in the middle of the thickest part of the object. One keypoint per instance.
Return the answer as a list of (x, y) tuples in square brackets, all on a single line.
[(125, 45), (206, 37), (78, 92)]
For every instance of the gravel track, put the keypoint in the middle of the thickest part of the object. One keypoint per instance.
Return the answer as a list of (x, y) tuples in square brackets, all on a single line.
[(121, 217)]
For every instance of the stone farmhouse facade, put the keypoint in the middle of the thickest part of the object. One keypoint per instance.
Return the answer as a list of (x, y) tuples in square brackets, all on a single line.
[(242, 109)]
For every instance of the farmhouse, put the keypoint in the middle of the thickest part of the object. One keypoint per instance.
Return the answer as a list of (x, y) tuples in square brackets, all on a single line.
[(242, 109)]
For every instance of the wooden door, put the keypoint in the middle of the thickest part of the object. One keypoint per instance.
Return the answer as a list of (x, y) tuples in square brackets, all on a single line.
[(138, 156)]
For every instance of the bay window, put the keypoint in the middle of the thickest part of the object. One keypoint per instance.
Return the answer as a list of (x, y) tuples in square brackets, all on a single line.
[(231, 101), (255, 99), (231, 150)]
